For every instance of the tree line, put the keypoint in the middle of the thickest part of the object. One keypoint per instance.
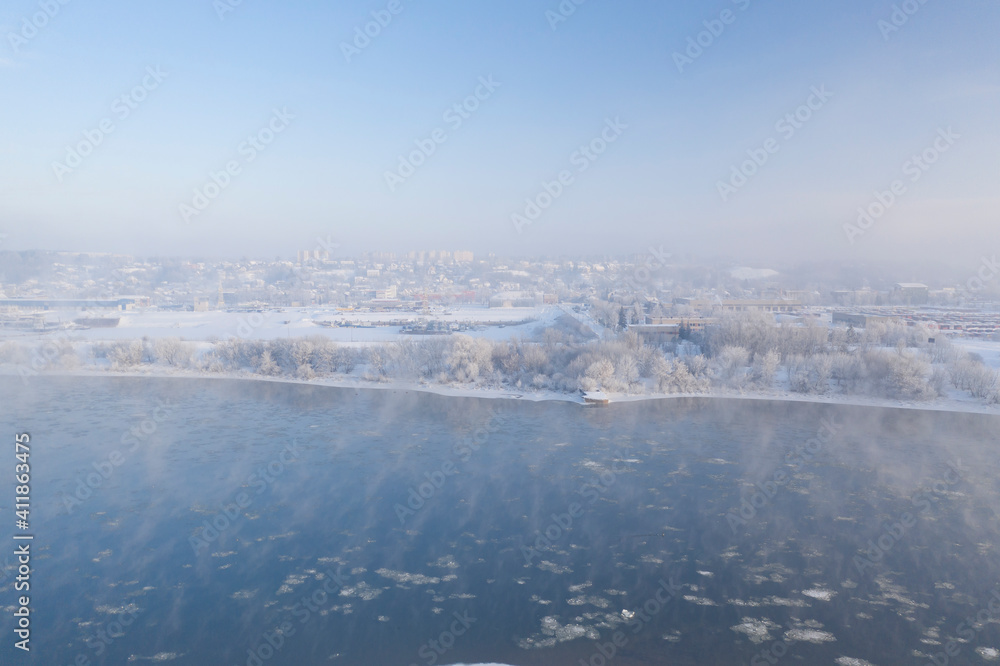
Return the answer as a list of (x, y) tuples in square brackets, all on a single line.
[(745, 352)]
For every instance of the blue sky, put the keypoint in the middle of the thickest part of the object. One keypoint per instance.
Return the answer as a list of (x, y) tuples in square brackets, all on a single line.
[(657, 184)]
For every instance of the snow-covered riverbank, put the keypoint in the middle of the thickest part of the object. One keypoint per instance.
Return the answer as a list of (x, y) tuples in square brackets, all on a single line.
[(955, 403)]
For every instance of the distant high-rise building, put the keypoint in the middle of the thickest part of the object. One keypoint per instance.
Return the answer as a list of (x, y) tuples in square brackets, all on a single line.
[(305, 256)]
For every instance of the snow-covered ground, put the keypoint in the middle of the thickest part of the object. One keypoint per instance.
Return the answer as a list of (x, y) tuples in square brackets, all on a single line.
[(202, 328), (988, 349), (584, 319), (295, 322), (954, 402)]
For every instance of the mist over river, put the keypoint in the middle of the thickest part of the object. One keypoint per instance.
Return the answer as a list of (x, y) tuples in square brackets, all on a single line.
[(225, 522)]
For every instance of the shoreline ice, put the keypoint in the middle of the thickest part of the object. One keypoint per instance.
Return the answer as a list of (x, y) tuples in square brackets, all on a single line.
[(940, 404)]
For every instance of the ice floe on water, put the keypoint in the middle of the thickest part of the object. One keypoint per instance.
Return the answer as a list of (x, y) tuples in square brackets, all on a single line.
[(290, 582), (700, 601), (600, 602), (989, 654), (791, 603), (819, 593), (403, 577), (552, 567), (743, 603), (553, 633), (809, 636), (851, 661), (756, 630), (932, 636), (773, 573), (131, 609), (446, 562), (159, 657), (362, 591)]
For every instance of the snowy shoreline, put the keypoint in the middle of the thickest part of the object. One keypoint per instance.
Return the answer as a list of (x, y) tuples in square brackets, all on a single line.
[(940, 404)]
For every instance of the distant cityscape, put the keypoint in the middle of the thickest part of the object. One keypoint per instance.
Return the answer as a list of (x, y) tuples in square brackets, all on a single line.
[(657, 297)]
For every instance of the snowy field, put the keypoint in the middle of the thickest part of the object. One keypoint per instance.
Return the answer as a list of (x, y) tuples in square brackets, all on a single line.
[(988, 349), (295, 323)]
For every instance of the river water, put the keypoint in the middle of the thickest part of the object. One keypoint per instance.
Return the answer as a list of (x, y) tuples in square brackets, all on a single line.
[(215, 522)]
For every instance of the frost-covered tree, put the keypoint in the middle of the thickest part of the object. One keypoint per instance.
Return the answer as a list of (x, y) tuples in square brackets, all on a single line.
[(125, 354), (696, 365), (601, 371), (810, 374), (764, 367), (470, 358), (731, 366), (681, 380), (753, 331), (172, 352), (267, 366)]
